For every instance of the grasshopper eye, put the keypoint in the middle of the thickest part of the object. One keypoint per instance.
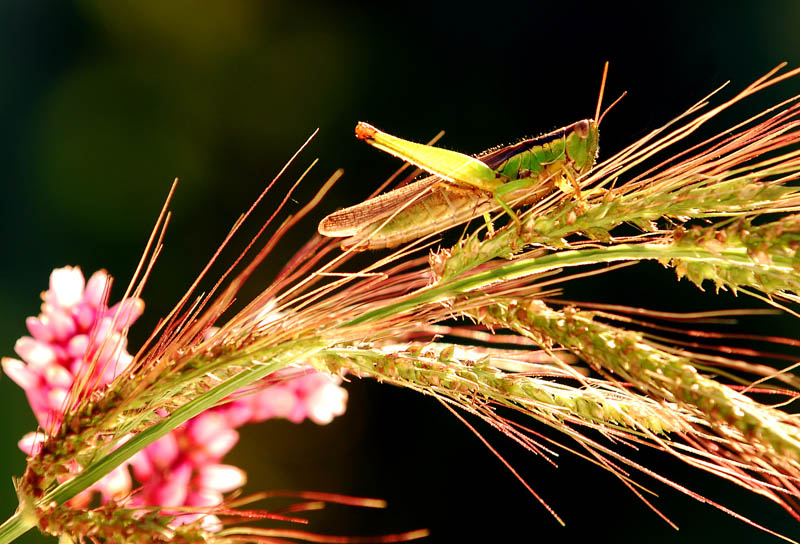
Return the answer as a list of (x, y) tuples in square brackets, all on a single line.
[(582, 128)]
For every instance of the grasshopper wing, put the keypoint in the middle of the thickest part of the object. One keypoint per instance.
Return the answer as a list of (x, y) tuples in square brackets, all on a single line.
[(351, 221)]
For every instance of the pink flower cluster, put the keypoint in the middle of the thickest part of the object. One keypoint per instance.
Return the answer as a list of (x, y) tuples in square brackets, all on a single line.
[(75, 326), (181, 469)]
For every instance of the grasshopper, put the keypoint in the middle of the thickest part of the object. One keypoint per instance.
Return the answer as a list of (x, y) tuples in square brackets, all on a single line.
[(461, 187)]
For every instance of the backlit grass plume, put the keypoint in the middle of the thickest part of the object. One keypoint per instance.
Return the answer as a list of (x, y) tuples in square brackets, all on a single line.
[(725, 210)]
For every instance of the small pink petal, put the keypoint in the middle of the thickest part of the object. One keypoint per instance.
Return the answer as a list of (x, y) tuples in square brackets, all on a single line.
[(20, 373), (173, 490), (115, 484), (66, 286), (307, 383), (170, 493), (37, 398), (142, 466), (126, 312), (117, 367), (273, 402), (82, 499), (56, 399), (97, 289), (36, 354), (209, 333), (39, 328), (61, 353), (298, 413), (31, 443), (185, 519), (221, 478), (77, 346), (62, 325), (325, 403), (111, 348), (205, 497), (204, 427), (77, 366), (215, 449), (212, 524), (164, 451), (238, 412), (101, 331), (58, 376), (85, 316), (137, 500), (48, 307)]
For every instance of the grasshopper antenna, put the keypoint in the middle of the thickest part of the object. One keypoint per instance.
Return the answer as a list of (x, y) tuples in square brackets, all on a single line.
[(597, 114), (614, 103), (602, 89)]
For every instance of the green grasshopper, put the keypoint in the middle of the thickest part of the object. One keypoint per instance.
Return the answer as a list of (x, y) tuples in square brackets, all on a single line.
[(461, 187)]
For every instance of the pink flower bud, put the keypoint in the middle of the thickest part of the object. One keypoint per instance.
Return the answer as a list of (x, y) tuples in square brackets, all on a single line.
[(20, 373), (77, 346), (62, 325), (126, 312), (36, 354), (215, 449), (172, 491), (31, 443), (97, 289), (115, 484), (85, 316), (204, 427), (238, 412), (274, 401), (212, 524), (326, 402), (142, 466), (39, 329), (58, 376), (221, 478), (66, 286), (204, 497), (56, 399), (164, 451)]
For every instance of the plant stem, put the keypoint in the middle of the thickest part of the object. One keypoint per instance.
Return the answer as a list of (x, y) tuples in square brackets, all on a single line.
[(16, 526), (562, 259)]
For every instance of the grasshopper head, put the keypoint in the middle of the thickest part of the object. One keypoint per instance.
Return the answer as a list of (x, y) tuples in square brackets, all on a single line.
[(582, 143)]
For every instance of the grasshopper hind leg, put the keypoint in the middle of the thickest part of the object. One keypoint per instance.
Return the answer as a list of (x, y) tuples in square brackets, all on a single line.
[(508, 188)]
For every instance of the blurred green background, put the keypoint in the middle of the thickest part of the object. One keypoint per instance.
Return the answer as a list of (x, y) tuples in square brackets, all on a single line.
[(102, 104)]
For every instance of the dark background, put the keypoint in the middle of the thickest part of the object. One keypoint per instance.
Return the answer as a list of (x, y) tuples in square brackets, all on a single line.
[(103, 103)]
